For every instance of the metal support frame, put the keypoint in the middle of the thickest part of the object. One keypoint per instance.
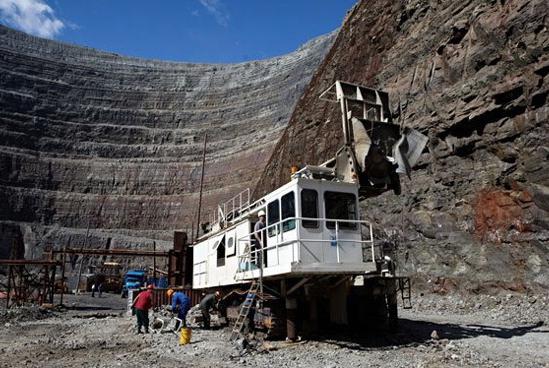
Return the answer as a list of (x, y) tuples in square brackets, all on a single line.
[(33, 281), (29, 281), (298, 285), (113, 252), (180, 263), (106, 252)]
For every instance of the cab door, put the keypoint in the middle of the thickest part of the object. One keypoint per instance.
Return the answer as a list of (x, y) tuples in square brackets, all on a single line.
[(342, 239), (281, 231), (310, 231)]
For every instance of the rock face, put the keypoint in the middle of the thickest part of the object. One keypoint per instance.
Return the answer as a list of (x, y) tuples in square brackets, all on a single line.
[(473, 76), (91, 138), (94, 139)]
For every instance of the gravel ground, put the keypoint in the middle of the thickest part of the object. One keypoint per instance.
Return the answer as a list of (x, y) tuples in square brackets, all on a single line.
[(507, 307), (503, 331)]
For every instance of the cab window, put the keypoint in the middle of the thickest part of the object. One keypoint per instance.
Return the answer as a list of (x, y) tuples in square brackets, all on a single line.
[(288, 211), (273, 216), (221, 252), (309, 207), (340, 206), (231, 249)]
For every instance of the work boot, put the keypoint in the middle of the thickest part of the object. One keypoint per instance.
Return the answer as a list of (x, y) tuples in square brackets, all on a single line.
[(139, 332)]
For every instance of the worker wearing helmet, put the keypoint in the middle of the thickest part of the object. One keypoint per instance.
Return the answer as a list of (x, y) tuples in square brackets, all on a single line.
[(208, 302), (181, 304), (259, 240), (142, 303)]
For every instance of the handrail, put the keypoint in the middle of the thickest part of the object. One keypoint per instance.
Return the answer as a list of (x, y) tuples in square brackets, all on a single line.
[(320, 219), (234, 204), (247, 256)]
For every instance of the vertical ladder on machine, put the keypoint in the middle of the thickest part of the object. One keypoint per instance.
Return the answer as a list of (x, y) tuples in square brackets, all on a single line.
[(244, 310), (405, 292)]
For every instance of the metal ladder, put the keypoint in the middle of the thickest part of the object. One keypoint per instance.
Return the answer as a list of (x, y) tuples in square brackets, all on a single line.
[(244, 310), (405, 292)]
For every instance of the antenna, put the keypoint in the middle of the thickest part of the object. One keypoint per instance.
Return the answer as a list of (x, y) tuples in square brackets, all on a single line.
[(201, 184)]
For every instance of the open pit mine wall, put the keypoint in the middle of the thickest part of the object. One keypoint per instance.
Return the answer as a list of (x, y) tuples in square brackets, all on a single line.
[(94, 139), (473, 76)]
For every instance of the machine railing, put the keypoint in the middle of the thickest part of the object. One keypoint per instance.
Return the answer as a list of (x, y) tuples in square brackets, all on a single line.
[(231, 208), (249, 260)]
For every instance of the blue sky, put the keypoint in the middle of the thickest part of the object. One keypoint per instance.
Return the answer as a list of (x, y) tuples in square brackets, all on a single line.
[(218, 31)]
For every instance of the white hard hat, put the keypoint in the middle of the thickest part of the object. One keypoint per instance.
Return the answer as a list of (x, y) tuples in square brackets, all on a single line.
[(261, 213)]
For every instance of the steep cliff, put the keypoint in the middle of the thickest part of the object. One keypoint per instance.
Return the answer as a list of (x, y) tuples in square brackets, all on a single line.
[(472, 75), (89, 138)]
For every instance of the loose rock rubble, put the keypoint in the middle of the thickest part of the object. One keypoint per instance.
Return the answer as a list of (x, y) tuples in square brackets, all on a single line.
[(504, 307), (458, 335), (23, 314)]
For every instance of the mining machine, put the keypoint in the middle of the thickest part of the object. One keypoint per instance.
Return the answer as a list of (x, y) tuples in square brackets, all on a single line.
[(318, 262)]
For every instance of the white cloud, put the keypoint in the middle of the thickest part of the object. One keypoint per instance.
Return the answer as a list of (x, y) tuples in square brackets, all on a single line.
[(32, 16), (217, 9)]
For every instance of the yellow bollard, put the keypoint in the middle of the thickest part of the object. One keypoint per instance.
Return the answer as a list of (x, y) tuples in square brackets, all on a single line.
[(185, 336)]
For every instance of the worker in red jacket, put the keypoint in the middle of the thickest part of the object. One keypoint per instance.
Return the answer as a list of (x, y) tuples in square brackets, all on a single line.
[(142, 304)]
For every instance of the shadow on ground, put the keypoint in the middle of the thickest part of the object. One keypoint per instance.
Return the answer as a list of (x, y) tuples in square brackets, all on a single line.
[(88, 308), (414, 332)]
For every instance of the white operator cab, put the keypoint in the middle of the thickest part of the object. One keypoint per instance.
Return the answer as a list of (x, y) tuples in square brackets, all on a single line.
[(313, 227)]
